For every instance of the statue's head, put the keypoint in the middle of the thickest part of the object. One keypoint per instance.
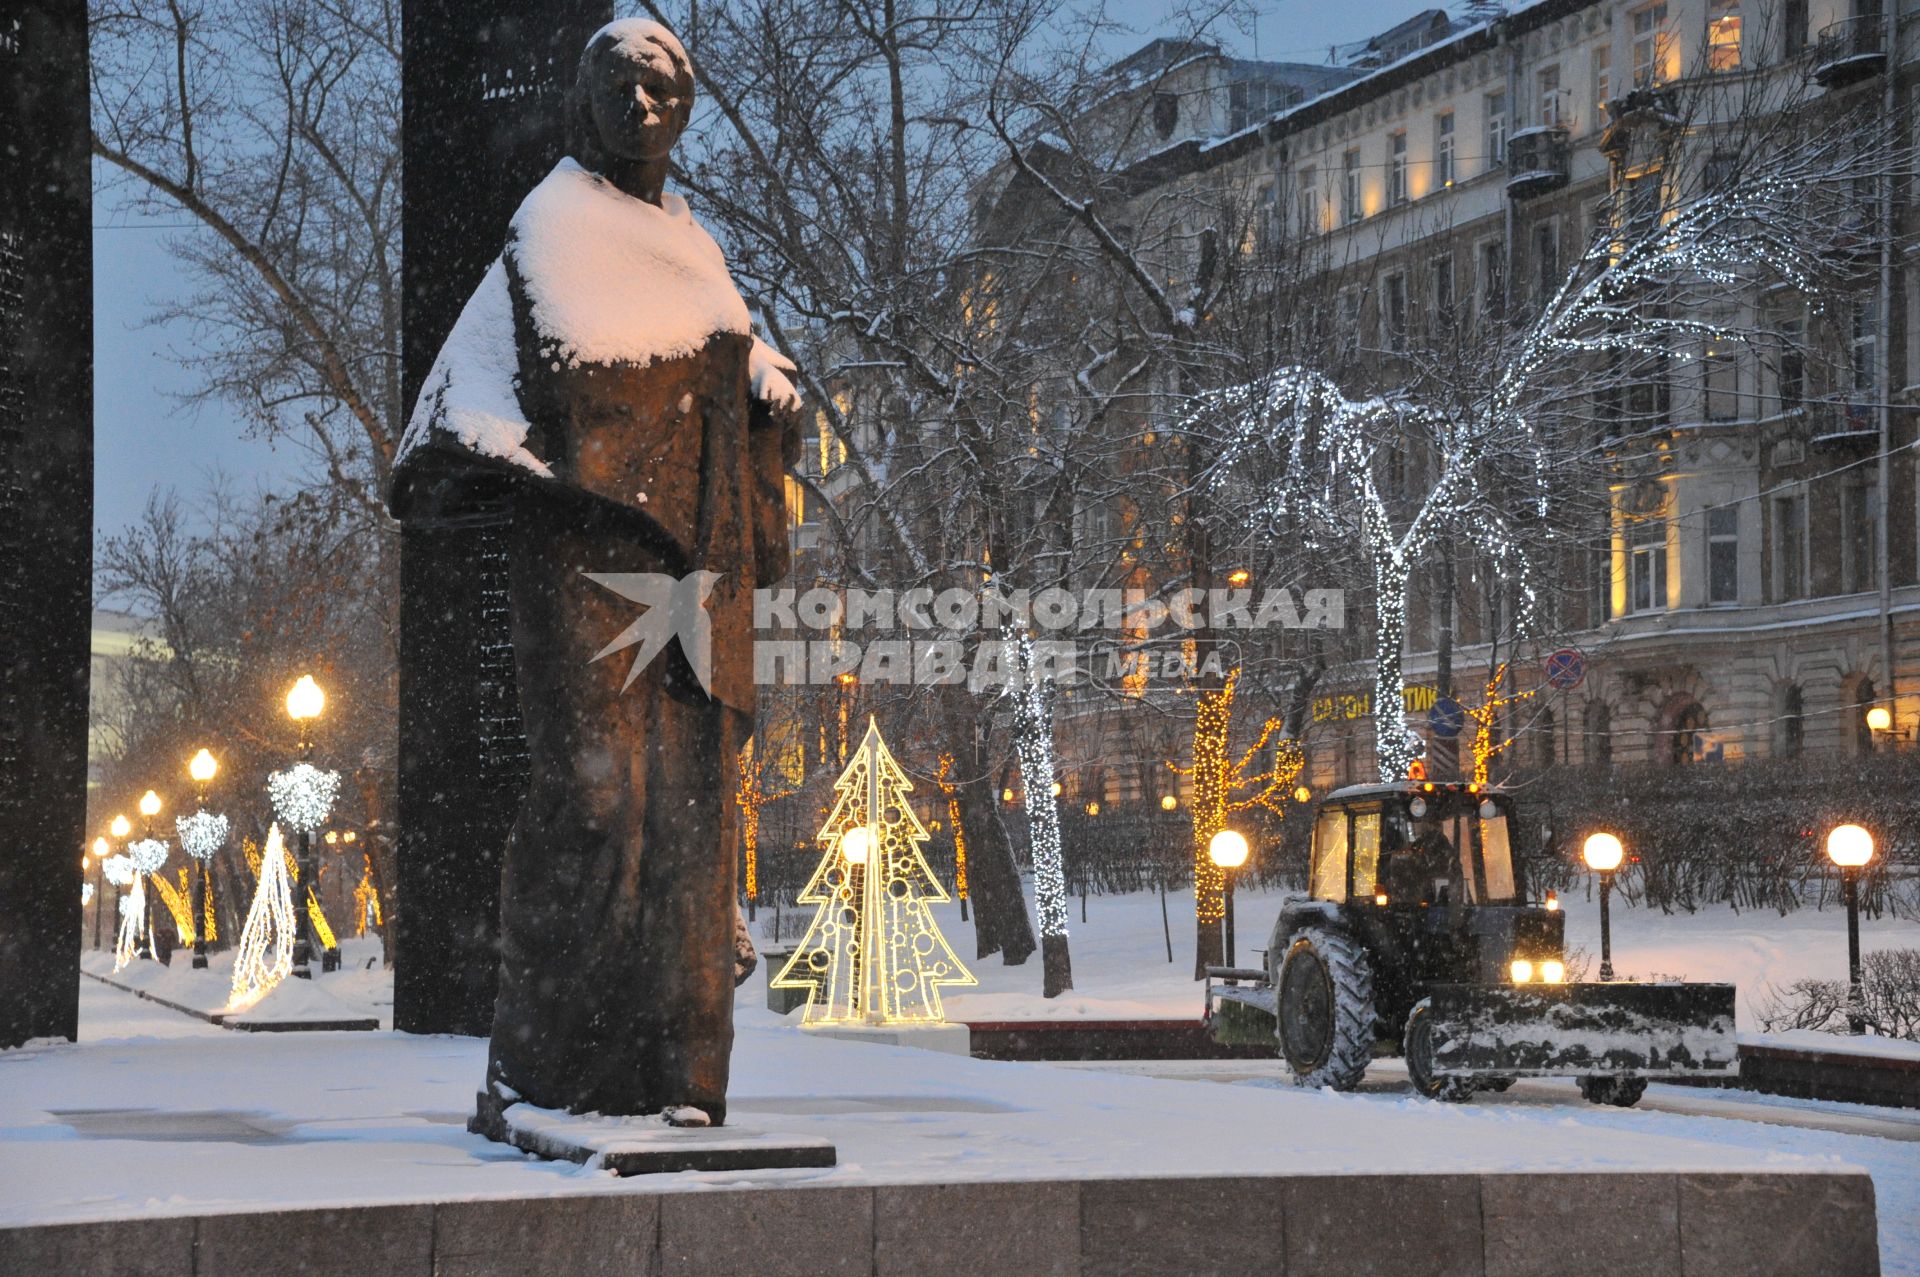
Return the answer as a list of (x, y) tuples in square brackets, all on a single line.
[(633, 95)]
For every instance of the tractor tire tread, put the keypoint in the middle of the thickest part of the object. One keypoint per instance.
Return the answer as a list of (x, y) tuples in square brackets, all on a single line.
[(1353, 1010)]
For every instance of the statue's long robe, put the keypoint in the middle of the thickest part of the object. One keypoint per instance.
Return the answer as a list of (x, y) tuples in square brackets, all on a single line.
[(605, 373)]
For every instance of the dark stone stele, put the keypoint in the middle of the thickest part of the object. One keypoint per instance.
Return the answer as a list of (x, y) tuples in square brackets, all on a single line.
[(483, 84), (628, 422), (46, 510)]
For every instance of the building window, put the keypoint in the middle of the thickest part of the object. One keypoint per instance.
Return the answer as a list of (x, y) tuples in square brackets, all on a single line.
[(1720, 380), (1643, 196), (1349, 310), (1790, 723), (1859, 537), (1790, 546), (1647, 566), (1496, 130), (1350, 187), (1443, 149), (1793, 28), (1863, 700), (1651, 46), (1441, 294), (1543, 736), (1309, 201), (1546, 260), (1552, 107), (1393, 312), (1602, 77), (1793, 363), (1723, 35), (1863, 345), (1493, 278), (1599, 733), (1686, 738), (1397, 169), (1723, 554), (1649, 393)]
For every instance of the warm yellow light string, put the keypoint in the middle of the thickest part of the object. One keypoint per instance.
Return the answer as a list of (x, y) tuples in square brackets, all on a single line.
[(366, 898), (952, 792), (1484, 747), (176, 903)]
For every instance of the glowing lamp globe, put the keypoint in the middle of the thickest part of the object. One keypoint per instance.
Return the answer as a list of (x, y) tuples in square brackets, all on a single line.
[(100, 849), (305, 700), (1849, 846), (1302, 794), (149, 804), (857, 844), (1227, 849), (1169, 802), (1879, 719), (1603, 853), (120, 827), (204, 767)]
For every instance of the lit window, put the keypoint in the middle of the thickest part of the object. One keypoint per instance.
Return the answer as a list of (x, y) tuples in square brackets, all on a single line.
[(1397, 170), (1647, 566), (1723, 35), (1496, 130), (1350, 210), (1652, 47), (1443, 149)]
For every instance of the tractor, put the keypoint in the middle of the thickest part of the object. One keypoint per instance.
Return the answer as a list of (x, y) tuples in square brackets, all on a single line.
[(1417, 930)]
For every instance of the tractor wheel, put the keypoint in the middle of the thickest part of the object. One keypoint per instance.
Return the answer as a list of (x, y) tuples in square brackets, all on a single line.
[(1325, 993), (1621, 1092), (1416, 1043)]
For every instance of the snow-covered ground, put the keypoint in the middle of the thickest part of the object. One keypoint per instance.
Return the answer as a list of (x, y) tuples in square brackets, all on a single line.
[(157, 1113)]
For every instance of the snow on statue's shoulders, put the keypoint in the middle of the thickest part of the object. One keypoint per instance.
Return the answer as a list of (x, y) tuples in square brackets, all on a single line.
[(470, 393), (616, 280)]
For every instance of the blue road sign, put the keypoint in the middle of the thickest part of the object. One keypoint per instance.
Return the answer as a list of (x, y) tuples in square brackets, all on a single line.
[(1566, 669), (1446, 718)]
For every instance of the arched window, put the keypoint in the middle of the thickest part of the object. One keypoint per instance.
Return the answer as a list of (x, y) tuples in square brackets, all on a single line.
[(1680, 739), (1544, 728), (1863, 699), (1789, 722), (1599, 734)]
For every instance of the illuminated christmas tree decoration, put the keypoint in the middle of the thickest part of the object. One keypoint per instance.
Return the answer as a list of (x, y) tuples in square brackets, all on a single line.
[(873, 953), (133, 918), (303, 795), (265, 956), (202, 834)]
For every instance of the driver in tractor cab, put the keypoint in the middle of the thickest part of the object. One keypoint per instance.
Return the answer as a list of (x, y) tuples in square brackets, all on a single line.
[(1413, 868)]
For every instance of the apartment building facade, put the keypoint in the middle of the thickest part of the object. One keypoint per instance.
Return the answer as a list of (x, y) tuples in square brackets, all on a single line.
[(1753, 593)]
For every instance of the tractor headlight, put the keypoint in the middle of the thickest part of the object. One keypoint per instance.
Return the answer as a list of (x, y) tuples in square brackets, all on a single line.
[(1553, 971), (1522, 970)]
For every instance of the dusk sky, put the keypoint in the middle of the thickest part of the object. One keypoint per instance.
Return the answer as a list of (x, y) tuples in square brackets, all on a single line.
[(146, 440)]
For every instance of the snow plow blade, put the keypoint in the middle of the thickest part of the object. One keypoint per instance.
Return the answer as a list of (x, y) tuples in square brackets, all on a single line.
[(1584, 1030)]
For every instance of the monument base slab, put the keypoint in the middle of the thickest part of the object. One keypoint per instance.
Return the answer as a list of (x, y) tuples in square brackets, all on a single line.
[(646, 1145)]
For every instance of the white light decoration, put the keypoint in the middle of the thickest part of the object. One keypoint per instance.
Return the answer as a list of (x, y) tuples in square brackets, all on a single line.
[(202, 834), (133, 920), (86, 894), (873, 953), (1033, 740), (148, 854), (265, 956), (119, 870), (303, 796)]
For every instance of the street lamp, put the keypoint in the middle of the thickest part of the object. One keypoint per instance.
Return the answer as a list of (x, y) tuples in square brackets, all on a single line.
[(1851, 847), (101, 850), (149, 808), (305, 701), (203, 768), (1603, 854), (1228, 850)]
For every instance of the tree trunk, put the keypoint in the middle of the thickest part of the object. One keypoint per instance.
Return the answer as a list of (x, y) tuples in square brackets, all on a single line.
[(1000, 921), (1212, 717), (1033, 736)]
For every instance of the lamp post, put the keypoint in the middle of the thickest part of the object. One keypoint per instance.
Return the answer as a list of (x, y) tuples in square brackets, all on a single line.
[(1603, 854), (1851, 847), (305, 701), (120, 827), (202, 769), (149, 808), (101, 850), (1228, 850)]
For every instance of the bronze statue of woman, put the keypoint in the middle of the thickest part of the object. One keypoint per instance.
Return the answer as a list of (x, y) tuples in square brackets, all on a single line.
[(606, 374)]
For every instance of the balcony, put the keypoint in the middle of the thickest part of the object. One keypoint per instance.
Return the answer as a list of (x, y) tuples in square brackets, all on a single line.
[(1539, 160), (1849, 51)]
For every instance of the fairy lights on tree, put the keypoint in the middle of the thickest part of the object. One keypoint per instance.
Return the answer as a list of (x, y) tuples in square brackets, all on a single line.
[(1033, 740), (1492, 701), (119, 871), (303, 796), (873, 953), (265, 955), (952, 792)]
